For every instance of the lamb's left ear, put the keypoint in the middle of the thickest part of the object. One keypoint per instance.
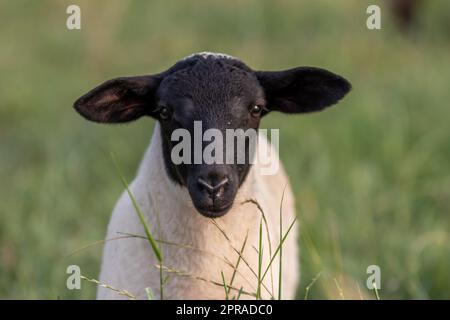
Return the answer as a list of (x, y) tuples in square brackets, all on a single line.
[(119, 100), (303, 89)]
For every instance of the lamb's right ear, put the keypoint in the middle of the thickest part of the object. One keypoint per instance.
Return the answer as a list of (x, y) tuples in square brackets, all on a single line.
[(119, 100)]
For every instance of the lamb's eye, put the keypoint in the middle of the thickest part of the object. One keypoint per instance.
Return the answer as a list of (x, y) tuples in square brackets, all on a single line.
[(164, 113), (256, 110)]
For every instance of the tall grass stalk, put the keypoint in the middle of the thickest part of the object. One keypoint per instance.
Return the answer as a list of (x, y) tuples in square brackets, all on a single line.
[(238, 261), (309, 286), (341, 292), (92, 244), (260, 258), (266, 225), (359, 291), (107, 286), (280, 270), (216, 224), (150, 238), (377, 295), (192, 276), (190, 247), (224, 286), (239, 294), (278, 248)]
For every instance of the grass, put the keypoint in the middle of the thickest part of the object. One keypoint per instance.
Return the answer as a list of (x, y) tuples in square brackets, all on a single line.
[(240, 254), (155, 248), (107, 286), (259, 280), (227, 288), (260, 261), (280, 259), (235, 269), (370, 176)]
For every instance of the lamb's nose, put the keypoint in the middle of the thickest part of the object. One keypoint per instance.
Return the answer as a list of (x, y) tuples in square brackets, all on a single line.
[(213, 187)]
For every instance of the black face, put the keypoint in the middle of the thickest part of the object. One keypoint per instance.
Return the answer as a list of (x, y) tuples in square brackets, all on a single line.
[(221, 93), (220, 96)]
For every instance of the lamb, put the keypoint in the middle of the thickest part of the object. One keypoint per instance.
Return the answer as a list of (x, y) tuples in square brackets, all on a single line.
[(204, 214)]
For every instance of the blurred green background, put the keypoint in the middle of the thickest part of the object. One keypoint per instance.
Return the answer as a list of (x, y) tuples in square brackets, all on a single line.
[(371, 175)]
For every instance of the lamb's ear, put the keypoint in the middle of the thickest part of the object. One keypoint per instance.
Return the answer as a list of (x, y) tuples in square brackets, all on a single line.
[(303, 89), (119, 100)]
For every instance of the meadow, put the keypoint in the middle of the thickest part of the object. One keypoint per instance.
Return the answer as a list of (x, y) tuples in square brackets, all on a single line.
[(371, 176)]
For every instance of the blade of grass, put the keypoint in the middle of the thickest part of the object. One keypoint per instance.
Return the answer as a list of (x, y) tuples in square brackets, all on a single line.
[(311, 246), (107, 286), (137, 208), (188, 275), (161, 281), (340, 291), (359, 291), (238, 261), (190, 247), (151, 240), (224, 286), (149, 292), (308, 287), (266, 225), (280, 270), (92, 244), (278, 248), (239, 294), (237, 251), (260, 255), (376, 291)]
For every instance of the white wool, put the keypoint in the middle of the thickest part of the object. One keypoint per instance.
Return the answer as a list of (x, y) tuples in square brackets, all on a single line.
[(206, 54), (201, 249)]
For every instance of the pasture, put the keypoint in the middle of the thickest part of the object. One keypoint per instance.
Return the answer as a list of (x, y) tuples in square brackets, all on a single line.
[(371, 175)]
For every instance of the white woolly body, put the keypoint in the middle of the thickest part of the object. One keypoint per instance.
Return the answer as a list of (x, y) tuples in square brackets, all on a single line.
[(202, 250)]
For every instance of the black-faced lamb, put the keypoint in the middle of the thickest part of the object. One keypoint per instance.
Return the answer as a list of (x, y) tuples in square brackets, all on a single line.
[(200, 212)]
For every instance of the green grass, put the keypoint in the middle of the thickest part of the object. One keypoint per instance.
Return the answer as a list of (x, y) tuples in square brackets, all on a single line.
[(155, 248), (371, 176)]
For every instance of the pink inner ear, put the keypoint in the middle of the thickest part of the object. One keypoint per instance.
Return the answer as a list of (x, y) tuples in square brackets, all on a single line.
[(106, 99)]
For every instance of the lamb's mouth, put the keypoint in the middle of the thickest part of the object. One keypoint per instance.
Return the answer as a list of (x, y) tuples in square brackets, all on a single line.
[(211, 212)]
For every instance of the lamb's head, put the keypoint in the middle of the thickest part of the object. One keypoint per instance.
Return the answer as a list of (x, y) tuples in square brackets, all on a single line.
[(205, 96)]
